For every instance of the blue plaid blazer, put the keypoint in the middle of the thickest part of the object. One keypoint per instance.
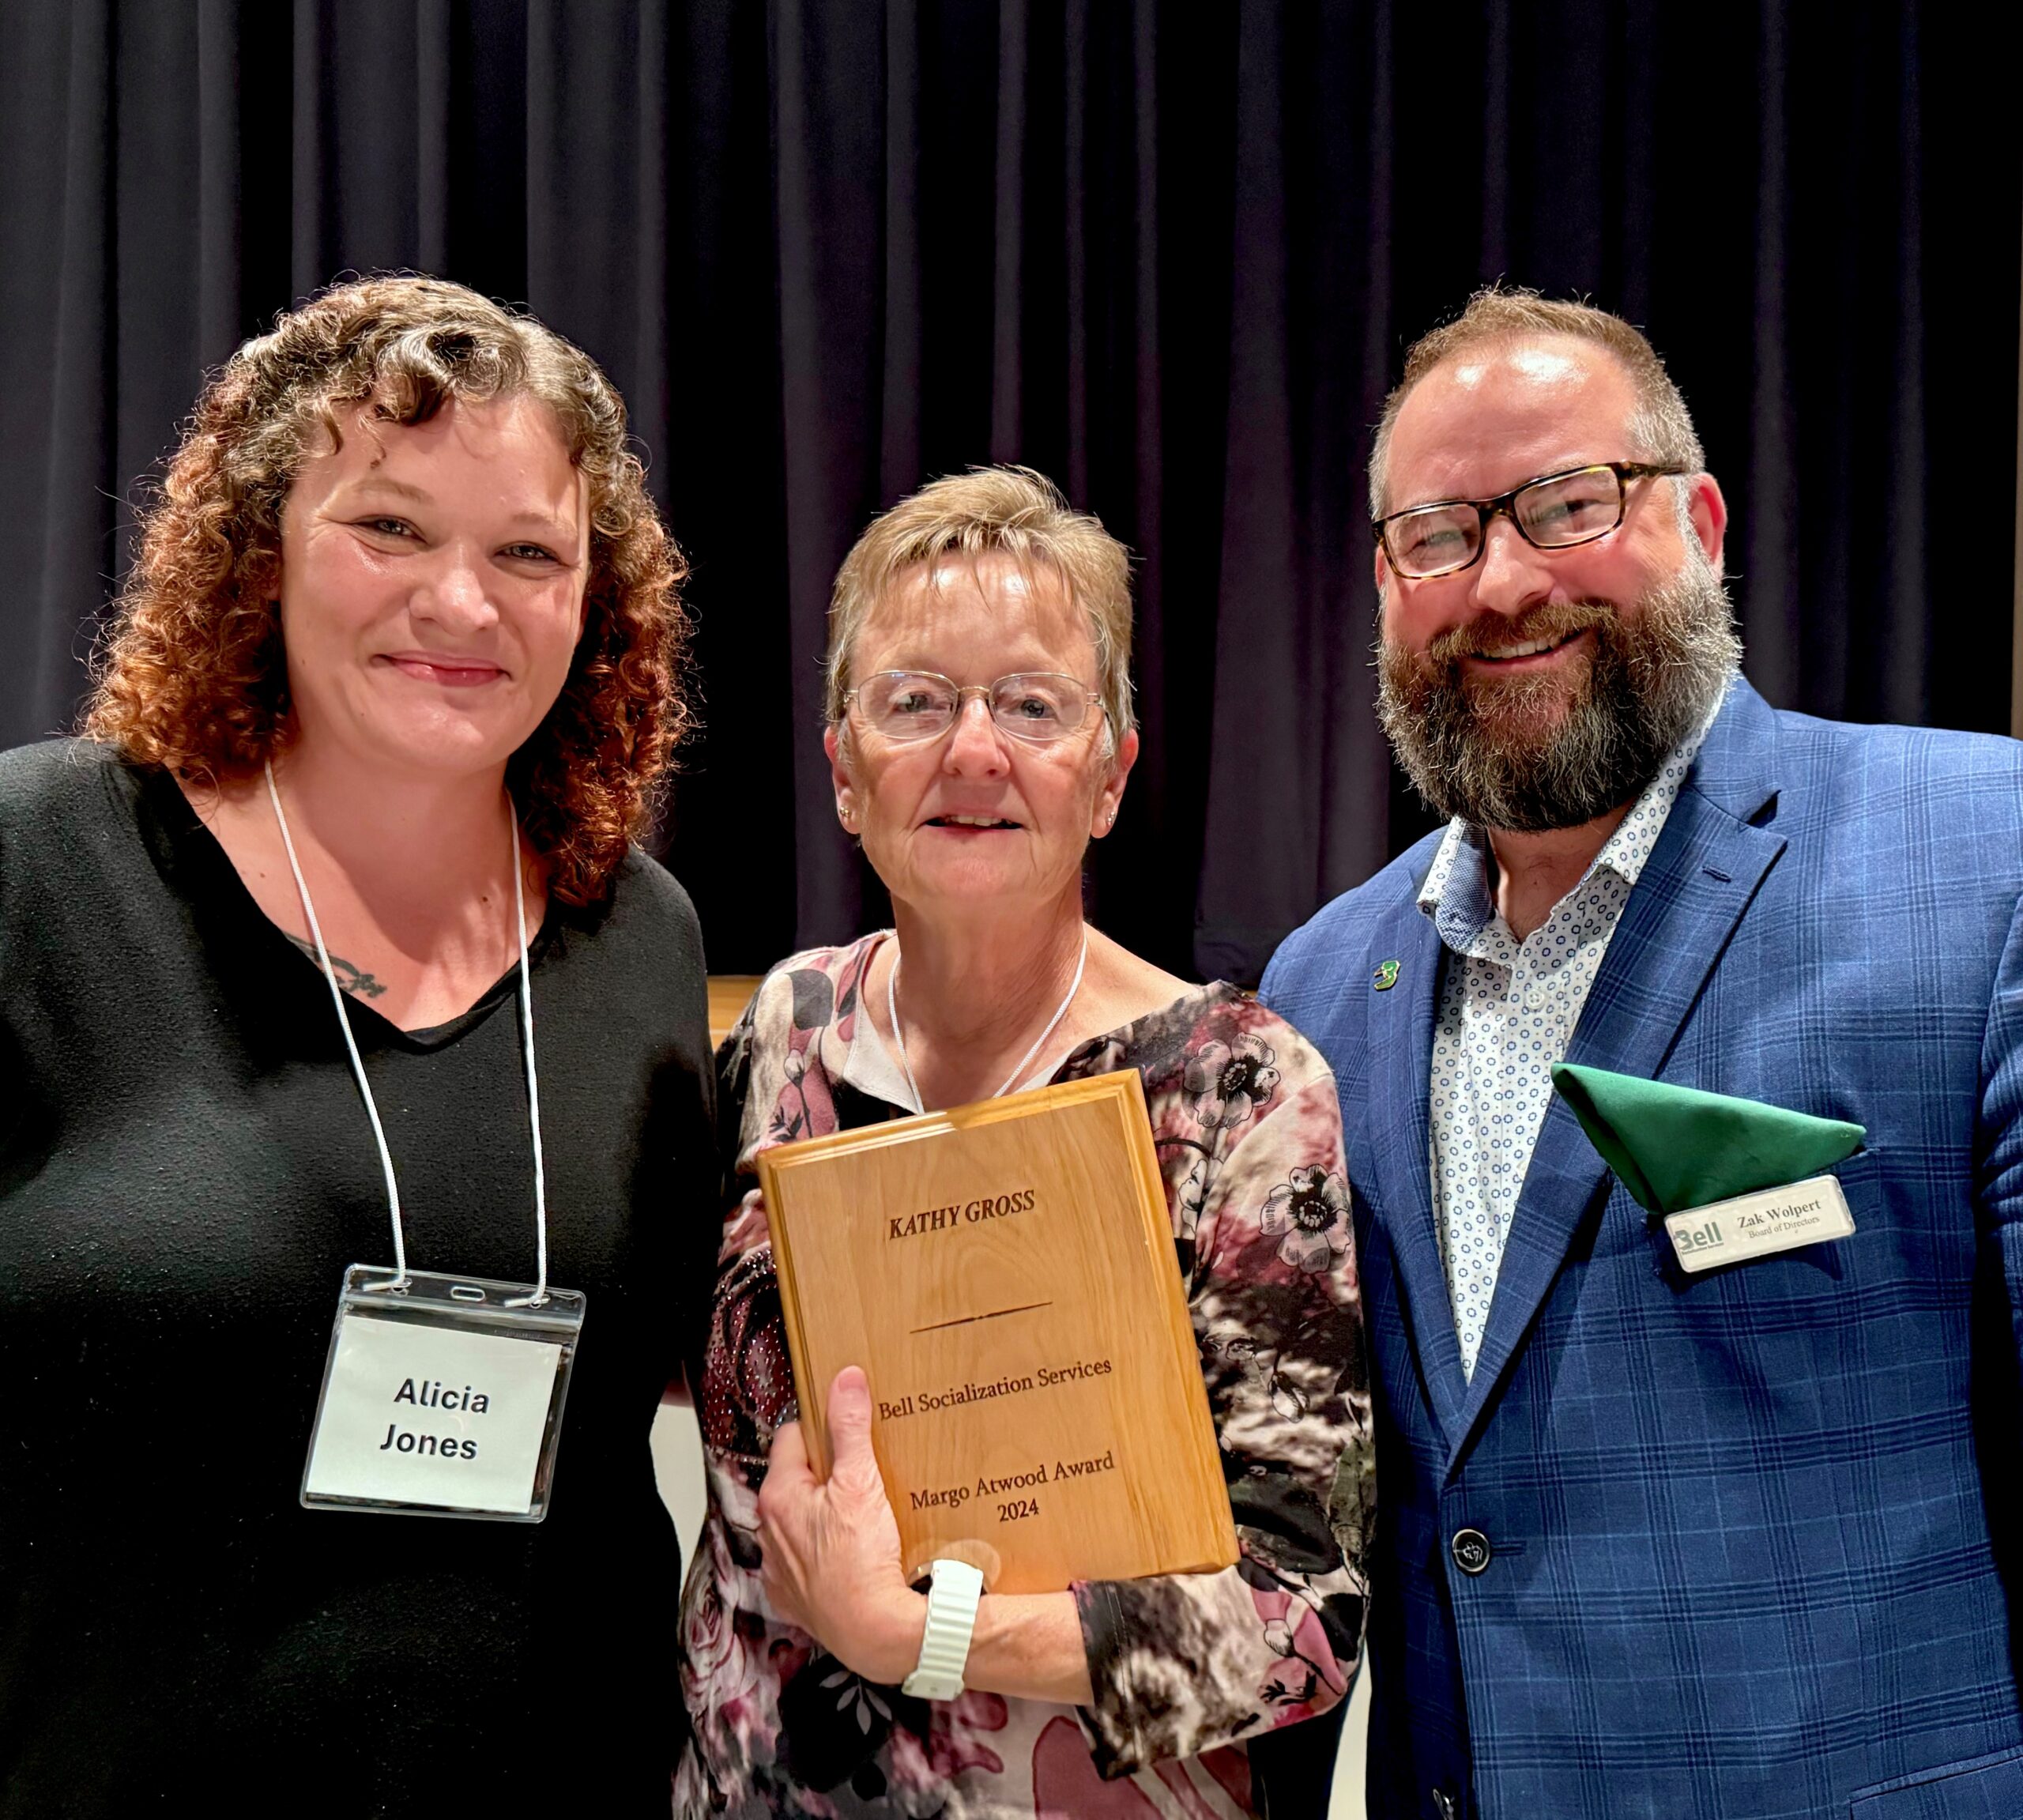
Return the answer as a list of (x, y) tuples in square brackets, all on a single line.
[(1750, 1531)]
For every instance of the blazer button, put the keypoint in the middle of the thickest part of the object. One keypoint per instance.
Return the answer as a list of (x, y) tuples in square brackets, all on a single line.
[(1471, 1550), (1443, 1805)]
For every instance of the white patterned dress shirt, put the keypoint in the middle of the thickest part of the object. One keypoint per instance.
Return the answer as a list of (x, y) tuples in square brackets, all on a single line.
[(1506, 1011)]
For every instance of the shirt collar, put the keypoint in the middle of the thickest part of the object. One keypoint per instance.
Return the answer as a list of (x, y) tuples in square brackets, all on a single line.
[(868, 1062), (1456, 892)]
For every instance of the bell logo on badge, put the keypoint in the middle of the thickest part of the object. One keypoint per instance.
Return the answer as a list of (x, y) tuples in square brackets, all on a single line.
[(1814, 1211)]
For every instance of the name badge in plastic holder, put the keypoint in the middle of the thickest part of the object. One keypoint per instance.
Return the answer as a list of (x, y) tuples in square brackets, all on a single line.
[(443, 1397)]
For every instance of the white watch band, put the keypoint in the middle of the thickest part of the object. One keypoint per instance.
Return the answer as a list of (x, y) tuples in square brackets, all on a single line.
[(944, 1646)]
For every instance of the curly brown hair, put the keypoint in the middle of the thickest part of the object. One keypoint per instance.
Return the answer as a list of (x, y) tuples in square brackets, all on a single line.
[(191, 675)]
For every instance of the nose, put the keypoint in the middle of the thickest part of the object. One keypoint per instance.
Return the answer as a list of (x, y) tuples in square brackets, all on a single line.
[(975, 747), (1511, 575), (453, 594)]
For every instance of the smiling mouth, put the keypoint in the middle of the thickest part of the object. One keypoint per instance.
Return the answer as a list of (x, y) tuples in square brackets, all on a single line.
[(456, 672), (970, 821), (1530, 648)]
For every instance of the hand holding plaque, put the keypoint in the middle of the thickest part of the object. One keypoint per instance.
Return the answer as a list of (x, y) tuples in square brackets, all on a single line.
[(832, 1545), (1004, 1272)]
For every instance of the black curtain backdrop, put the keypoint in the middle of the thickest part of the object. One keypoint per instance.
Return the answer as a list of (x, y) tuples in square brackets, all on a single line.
[(1169, 254)]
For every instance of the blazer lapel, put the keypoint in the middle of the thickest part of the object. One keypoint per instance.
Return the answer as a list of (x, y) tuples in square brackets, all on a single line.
[(1396, 1137), (1699, 879)]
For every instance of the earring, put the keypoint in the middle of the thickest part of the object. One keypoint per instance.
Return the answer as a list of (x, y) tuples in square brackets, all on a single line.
[(843, 811)]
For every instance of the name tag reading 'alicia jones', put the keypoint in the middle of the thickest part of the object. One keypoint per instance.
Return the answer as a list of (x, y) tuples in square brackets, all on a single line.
[(1808, 1212), (442, 1397)]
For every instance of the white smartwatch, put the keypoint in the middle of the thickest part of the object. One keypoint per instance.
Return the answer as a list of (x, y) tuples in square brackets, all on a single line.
[(944, 1646)]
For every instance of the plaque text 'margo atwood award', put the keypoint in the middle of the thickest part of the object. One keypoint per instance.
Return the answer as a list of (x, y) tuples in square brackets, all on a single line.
[(1005, 1273)]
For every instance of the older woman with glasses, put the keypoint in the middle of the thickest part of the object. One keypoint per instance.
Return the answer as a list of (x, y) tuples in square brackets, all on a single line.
[(980, 736)]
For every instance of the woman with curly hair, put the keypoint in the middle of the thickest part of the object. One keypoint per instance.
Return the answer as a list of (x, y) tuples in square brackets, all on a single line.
[(980, 737), (349, 836)]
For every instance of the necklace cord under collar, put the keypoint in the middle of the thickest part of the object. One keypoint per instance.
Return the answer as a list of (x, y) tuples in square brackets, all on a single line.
[(1026, 1061)]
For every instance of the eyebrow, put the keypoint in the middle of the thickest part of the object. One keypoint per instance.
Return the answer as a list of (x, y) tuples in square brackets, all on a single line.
[(917, 657), (387, 484)]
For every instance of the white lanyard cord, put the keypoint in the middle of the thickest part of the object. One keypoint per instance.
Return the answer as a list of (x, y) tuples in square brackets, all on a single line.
[(400, 1277), (1017, 1074), (533, 1084)]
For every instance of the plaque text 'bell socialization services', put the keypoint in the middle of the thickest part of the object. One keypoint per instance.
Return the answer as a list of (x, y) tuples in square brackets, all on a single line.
[(1005, 1274)]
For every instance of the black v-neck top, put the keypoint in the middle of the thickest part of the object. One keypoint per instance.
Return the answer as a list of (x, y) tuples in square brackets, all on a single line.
[(185, 1170)]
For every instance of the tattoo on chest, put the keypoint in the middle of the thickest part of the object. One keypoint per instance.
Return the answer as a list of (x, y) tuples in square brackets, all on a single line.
[(354, 980)]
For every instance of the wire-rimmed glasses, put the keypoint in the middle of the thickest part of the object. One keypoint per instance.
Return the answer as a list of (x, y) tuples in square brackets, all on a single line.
[(1038, 706)]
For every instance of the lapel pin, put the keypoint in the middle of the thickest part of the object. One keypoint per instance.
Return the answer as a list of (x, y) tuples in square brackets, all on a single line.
[(1386, 976)]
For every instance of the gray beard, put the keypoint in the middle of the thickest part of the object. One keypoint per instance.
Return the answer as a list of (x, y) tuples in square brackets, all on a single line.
[(1503, 753)]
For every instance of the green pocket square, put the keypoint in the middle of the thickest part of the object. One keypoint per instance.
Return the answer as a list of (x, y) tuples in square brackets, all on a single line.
[(1675, 1147)]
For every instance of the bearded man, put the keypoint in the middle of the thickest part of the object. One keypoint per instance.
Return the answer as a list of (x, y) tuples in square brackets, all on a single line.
[(1661, 1532)]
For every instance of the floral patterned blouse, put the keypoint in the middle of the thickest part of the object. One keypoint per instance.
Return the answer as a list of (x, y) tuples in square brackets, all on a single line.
[(1183, 1667)]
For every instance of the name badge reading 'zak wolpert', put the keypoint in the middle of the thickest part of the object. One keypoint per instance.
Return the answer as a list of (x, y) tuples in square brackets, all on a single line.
[(1809, 1212), (1005, 1273)]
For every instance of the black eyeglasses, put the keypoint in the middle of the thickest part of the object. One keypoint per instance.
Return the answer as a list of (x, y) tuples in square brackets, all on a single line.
[(1553, 512)]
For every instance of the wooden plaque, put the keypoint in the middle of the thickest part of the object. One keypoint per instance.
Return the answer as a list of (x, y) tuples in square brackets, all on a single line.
[(1005, 1273)]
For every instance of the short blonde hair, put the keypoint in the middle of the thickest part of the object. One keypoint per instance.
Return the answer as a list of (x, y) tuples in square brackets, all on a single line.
[(1014, 510), (1659, 425)]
